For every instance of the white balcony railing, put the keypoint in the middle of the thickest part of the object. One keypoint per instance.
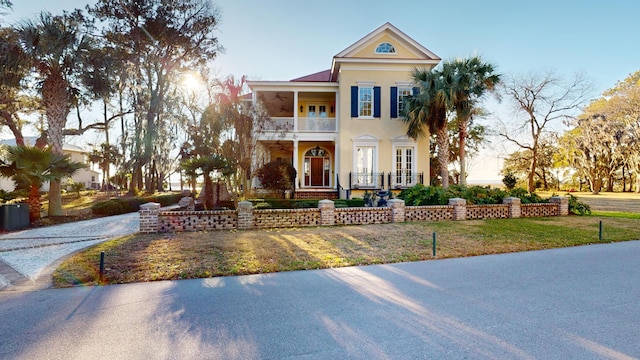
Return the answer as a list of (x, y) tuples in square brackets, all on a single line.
[(305, 124), (316, 124)]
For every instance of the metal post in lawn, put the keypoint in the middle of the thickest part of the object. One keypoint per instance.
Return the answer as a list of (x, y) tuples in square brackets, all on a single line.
[(101, 266), (434, 243), (600, 231)]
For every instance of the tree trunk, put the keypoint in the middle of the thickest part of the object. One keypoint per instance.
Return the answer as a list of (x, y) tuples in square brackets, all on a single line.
[(55, 198), (34, 203), (532, 172), (443, 155), (56, 101), (463, 153)]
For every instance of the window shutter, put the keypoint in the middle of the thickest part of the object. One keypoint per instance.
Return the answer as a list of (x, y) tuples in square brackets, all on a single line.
[(416, 91), (354, 101), (376, 101), (394, 102)]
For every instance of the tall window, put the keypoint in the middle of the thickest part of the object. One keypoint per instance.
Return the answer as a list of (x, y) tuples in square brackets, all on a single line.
[(403, 93), (365, 102), (365, 165), (404, 165)]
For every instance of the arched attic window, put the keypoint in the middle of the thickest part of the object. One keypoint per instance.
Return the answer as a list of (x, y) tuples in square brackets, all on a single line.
[(385, 48)]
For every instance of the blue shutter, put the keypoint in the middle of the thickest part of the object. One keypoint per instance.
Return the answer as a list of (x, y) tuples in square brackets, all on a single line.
[(416, 91), (354, 101), (376, 101), (394, 102)]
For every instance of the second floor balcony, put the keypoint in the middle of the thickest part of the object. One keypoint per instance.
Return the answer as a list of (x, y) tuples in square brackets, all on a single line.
[(308, 108)]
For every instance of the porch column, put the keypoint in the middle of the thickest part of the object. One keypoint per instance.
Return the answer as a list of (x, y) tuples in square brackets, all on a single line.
[(336, 163), (295, 111), (296, 164)]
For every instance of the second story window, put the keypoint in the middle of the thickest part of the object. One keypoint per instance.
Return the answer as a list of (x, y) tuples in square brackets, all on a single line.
[(403, 93), (365, 102)]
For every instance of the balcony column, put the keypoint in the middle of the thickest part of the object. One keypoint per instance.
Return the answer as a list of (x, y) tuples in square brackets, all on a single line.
[(295, 112), (296, 164)]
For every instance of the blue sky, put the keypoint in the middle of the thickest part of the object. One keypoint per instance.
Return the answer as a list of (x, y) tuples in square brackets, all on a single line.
[(286, 39)]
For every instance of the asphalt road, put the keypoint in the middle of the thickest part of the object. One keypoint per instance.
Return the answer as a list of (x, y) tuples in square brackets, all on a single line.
[(576, 303)]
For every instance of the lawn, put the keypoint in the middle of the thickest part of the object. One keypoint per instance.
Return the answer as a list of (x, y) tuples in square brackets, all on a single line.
[(206, 254)]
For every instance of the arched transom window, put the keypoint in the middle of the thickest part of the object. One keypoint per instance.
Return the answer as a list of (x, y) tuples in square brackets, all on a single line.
[(385, 48)]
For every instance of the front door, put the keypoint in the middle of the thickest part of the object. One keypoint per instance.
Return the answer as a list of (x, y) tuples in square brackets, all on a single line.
[(317, 178)]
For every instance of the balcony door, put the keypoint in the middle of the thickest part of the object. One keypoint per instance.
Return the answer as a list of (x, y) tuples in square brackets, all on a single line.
[(316, 117)]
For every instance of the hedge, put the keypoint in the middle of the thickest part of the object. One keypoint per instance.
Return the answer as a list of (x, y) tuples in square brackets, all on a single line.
[(132, 204)]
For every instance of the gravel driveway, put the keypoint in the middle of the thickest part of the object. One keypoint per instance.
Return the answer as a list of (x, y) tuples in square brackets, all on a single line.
[(28, 253)]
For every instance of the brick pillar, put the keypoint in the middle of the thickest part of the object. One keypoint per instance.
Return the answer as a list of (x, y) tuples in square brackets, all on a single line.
[(327, 212), (245, 215), (563, 204), (514, 206), (459, 208), (397, 210), (149, 217)]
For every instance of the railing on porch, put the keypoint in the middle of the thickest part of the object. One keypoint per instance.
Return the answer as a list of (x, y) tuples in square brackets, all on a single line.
[(316, 124), (305, 124)]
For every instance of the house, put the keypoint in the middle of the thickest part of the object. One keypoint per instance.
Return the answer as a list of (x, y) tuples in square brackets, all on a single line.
[(343, 130), (86, 176)]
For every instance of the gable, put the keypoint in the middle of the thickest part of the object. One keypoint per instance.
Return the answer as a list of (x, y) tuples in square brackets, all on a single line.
[(406, 51), (406, 47)]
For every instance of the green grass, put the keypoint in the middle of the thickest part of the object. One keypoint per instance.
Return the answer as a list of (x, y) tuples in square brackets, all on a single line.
[(206, 254), (616, 214)]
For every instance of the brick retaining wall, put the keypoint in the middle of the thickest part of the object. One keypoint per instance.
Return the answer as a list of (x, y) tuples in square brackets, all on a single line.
[(152, 220)]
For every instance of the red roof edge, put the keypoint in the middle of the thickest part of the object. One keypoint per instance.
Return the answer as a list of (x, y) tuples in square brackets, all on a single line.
[(322, 76)]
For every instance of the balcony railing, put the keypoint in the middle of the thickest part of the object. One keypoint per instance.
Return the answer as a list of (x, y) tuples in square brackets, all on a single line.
[(316, 124), (305, 124), (404, 179), (371, 180)]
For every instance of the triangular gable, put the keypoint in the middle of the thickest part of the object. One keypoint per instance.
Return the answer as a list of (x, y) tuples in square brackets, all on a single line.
[(407, 50), (389, 33)]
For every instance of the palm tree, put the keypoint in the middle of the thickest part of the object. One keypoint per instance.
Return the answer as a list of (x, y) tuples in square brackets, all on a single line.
[(55, 48), (426, 113), (31, 167), (470, 80), (106, 156)]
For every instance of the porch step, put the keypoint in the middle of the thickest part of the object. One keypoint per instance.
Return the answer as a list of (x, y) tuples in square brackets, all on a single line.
[(329, 194)]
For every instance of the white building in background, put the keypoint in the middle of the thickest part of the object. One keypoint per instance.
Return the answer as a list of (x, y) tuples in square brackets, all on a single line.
[(90, 178)]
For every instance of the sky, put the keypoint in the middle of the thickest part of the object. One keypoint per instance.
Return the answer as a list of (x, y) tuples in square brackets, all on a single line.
[(286, 39)]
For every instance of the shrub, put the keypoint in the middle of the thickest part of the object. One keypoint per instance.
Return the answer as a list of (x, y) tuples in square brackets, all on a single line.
[(509, 181), (355, 202), (132, 204), (479, 195), (277, 176), (578, 207), (107, 208)]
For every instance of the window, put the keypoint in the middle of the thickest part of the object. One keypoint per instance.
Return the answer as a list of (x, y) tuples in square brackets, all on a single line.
[(365, 102), (365, 163), (385, 48), (403, 93)]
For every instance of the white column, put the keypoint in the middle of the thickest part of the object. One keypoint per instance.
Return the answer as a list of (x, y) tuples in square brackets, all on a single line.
[(295, 112), (336, 162), (296, 165)]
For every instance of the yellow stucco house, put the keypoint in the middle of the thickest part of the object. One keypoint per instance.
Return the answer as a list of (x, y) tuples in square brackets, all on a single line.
[(343, 131)]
